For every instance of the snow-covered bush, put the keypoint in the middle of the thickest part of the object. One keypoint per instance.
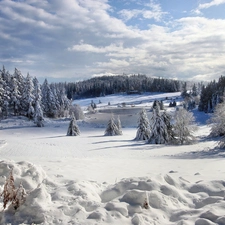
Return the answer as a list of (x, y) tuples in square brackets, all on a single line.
[(73, 129), (77, 111), (143, 131)]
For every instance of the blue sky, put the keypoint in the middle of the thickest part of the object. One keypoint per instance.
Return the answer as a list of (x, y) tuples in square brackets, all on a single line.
[(73, 40)]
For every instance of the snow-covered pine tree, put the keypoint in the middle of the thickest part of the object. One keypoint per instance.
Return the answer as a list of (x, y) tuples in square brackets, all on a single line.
[(5, 92), (48, 100), (73, 129), (143, 128), (15, 96), (64, 102), (184, 127), (38, 115), (158, 129), (169, 133), (37, 91), (9, 191), (111, 129), (38, 112), (20, 80), (156, 105), (27, 99), (119, 126)]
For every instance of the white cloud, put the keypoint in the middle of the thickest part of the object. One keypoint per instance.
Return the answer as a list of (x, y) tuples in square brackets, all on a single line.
[(210, 4), (80, 38), (155, 12)]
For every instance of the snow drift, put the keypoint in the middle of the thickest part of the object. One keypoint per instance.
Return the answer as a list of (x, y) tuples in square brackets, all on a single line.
[(170, 201)]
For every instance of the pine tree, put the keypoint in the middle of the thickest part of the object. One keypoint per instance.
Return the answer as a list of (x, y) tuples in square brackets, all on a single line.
[(27, 99), (111, 129), (169, 133), (48, 100), (184, 127), (15, 96), (73, 129), (38, 115), (5, 91), (143, 131), (20, 80), (158, 128)]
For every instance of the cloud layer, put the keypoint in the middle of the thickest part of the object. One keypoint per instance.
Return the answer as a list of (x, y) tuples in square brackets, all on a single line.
[(76, 39)]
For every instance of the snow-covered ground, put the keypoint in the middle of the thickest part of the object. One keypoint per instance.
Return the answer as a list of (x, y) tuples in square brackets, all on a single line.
[(94, 179)]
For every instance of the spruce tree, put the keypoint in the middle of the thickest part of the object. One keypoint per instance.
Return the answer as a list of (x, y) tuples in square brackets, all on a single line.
[(27, 99), (73, 129), (15, 96), (111, 129), (143, 131), (48, 100), (158, 128), (38, 115)]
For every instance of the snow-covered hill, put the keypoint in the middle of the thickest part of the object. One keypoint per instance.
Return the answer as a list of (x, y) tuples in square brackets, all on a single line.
[(94, 179)]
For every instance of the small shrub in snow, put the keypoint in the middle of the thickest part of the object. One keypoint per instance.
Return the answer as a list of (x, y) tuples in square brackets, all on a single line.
[(145, 204), (20, 197), (17, 197), (9, 191)]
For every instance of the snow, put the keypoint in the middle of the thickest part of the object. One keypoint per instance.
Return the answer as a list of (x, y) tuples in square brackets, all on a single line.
[(95, 179)]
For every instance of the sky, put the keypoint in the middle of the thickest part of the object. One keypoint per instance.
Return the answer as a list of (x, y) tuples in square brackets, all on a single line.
[(73, 40)]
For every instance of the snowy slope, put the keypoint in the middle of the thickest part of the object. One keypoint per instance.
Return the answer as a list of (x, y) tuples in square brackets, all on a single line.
[(94, 179)]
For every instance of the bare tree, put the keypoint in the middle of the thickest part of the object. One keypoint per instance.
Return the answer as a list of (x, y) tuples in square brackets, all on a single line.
[(184, 127)]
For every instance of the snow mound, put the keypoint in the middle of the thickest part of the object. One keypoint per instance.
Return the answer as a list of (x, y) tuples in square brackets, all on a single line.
[(138, 201)]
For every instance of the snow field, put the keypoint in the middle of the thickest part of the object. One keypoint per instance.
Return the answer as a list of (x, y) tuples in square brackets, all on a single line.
[(93, 179)]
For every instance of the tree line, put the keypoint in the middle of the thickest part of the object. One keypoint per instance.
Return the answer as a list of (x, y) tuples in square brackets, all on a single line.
[(25, 96), (211, 95), (105, 85)]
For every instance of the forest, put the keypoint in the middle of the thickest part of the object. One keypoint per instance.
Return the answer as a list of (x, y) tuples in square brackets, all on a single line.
[(24, 95)]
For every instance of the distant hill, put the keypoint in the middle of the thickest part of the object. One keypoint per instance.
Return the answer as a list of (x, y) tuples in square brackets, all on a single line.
[(105, 85)]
